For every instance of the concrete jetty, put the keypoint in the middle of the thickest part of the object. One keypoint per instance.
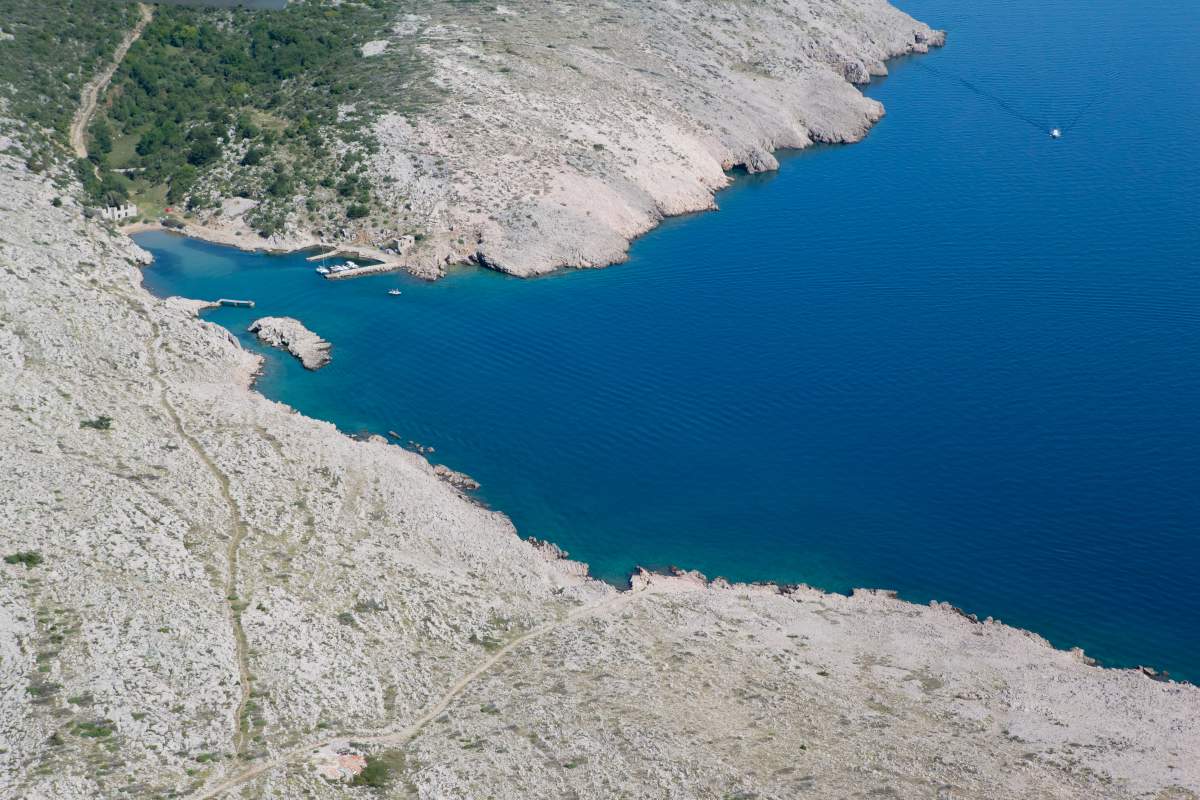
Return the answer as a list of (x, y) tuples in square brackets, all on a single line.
[(369, 269)]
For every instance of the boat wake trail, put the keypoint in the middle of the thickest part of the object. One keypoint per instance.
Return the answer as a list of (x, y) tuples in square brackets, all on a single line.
[(984, 93), (1086, 108), (1041, 125)]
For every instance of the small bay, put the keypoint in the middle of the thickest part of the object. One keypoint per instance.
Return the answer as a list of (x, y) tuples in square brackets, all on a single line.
[(958, 359)]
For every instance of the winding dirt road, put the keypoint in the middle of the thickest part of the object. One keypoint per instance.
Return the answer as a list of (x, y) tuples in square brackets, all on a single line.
[(402, 736), (96, 86)]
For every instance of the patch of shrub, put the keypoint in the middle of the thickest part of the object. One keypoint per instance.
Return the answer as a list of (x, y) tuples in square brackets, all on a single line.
[(369, 605), (97, 729), (42, 691), (253, 156), (30, 558), (376, 774), (100, 423)]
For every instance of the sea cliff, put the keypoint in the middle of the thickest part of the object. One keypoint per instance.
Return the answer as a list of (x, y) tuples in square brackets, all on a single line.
[(556, 133), (209, 594)]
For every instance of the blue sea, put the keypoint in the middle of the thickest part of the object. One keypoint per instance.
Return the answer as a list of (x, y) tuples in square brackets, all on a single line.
[(959, 359)]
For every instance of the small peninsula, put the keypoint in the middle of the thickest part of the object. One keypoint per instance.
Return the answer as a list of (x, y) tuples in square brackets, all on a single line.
[(524, 138), (291, 335)]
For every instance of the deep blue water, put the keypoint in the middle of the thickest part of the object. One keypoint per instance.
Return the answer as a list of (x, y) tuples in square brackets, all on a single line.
[(958, 359)]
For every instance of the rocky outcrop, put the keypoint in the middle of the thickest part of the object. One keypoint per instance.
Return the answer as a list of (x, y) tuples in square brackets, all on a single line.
[(563, 130), (552, 552), (291, 335), (211, 595), (550, 149), (459, 480)]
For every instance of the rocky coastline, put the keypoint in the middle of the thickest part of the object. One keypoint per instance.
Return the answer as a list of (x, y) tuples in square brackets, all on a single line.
[(290, 334), (219, 596), (545, 152), (204, 593)]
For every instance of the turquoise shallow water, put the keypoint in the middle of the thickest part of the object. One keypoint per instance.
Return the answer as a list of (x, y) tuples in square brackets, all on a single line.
[(957, 359)]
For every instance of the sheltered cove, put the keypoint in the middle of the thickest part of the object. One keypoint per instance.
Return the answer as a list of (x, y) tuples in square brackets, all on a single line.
[(238, 590), (599, 143), (312, 590)]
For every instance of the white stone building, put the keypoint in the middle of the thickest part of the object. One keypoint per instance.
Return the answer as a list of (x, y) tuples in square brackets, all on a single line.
[(119, 212)]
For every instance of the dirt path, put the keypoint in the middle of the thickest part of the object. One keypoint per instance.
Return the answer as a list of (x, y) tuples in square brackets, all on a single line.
[(97, 85), (237, 533), (403, 735)]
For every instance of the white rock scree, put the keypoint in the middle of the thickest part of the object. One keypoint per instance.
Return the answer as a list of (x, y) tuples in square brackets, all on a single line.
[(234, 587)]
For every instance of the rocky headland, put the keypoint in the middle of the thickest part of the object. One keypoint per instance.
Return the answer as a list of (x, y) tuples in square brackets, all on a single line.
[(291, 335), (559, 132), (206, 594)]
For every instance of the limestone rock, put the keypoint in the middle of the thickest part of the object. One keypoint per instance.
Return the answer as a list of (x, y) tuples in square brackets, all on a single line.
[(459, 480), (230, 599), (291, 335)]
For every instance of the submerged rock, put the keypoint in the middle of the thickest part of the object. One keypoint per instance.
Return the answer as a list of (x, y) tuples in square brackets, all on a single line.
[(289, 334)]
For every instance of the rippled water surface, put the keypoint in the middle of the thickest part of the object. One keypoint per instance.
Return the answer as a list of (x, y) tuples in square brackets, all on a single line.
[(958, 359)]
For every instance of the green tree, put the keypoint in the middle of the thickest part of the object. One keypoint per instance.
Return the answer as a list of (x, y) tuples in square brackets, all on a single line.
[(204, 150), (246, 129), (281, 185), (253, 156), (101, 137), (181, 183)]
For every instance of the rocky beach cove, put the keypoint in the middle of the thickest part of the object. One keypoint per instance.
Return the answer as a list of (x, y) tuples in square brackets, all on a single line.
[(232, 586), (206, 593)]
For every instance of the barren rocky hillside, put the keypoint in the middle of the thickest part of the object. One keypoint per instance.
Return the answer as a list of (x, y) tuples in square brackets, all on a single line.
[(566, 129), (522, 136), (206, 594)]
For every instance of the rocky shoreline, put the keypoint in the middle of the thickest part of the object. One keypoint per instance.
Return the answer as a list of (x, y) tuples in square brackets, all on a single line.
[(545, 152), (226, 594), (290, 334), (204, 593)]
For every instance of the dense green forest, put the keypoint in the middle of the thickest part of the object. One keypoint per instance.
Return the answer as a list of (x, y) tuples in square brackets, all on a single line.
[(204, 89), (55, 48), (213, 103)]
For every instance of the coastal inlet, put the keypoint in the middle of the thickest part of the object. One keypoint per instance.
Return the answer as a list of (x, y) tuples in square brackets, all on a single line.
[(956, 359)]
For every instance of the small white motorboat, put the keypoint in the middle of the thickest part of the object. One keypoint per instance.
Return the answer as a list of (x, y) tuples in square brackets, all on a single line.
[(323, 270), (1055, 133), (393, 291)]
